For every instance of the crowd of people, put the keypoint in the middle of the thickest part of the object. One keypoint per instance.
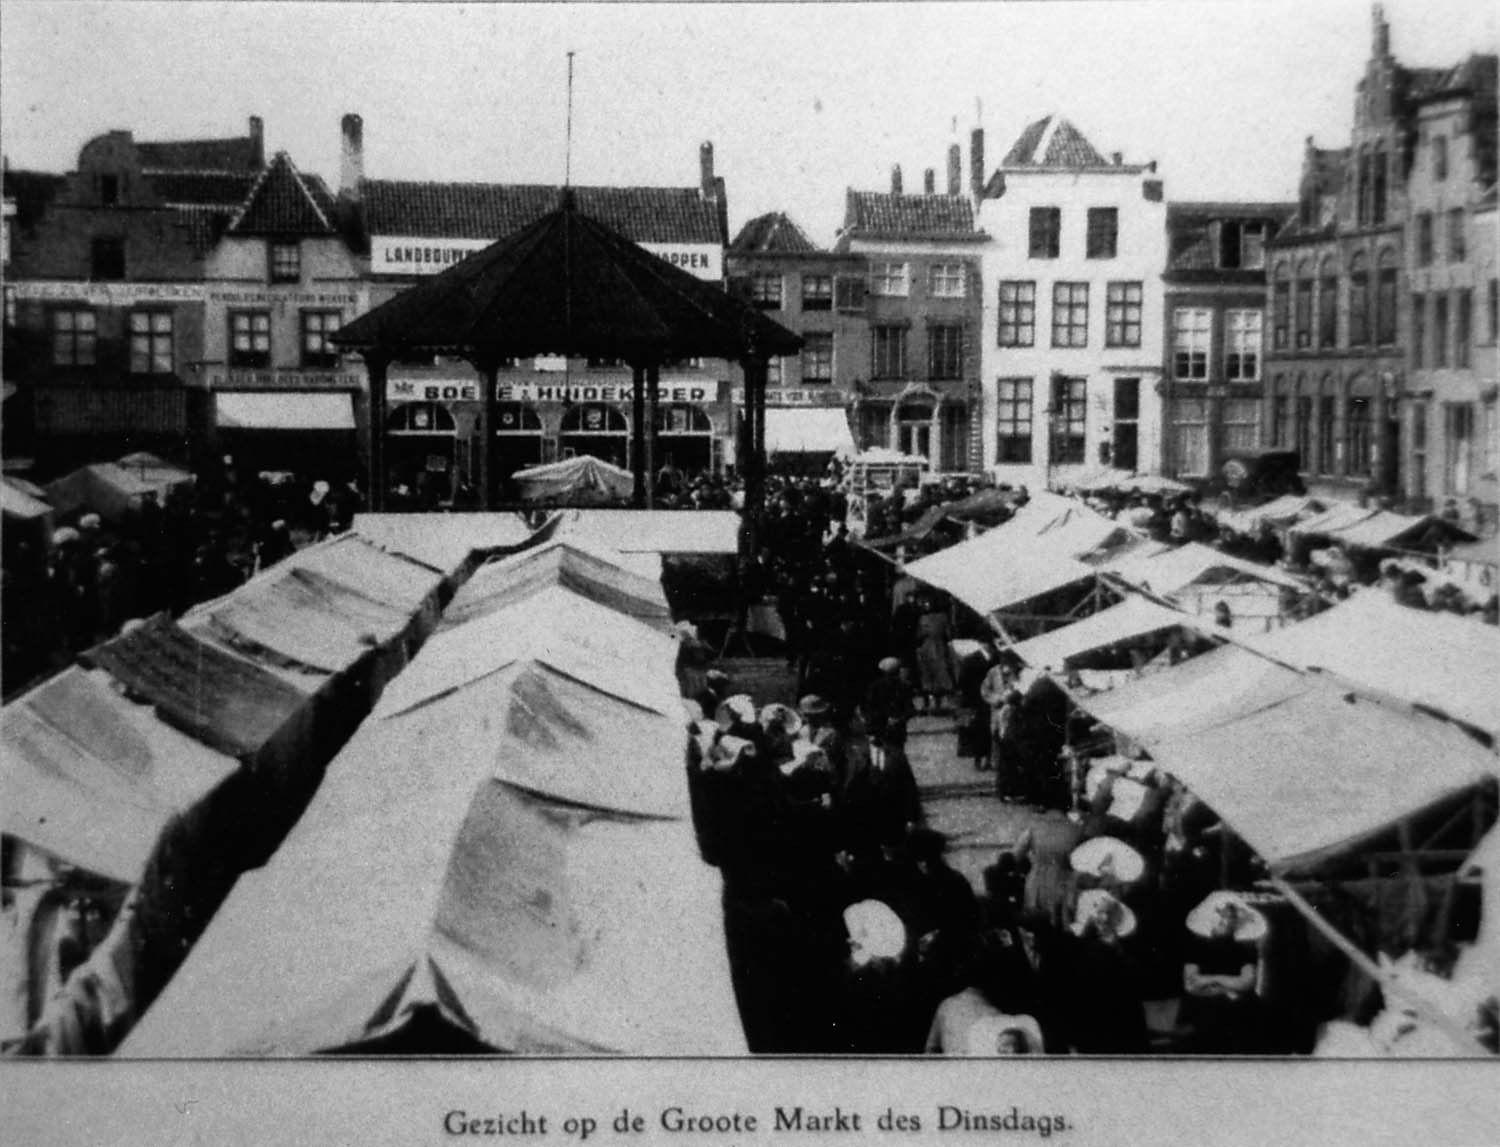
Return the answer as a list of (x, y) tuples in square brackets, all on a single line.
[(68, 592)]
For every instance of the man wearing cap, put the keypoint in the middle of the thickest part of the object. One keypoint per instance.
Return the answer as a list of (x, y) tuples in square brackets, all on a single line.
[(887, 707)]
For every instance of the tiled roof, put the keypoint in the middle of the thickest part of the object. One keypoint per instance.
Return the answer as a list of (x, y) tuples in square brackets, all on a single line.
[(32, 191), (201, 188), (773, 233), (1053, 142), (204, 225), (238, 154), (284, 202), (495, 210), (886, 214)]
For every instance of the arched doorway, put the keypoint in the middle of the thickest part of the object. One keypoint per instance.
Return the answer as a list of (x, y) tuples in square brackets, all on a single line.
[(518, 428), (420, 443), (684, 438), (597, 429)]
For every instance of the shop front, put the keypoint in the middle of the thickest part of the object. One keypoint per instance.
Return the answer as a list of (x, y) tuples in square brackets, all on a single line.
[(917, 421), (308, 432)]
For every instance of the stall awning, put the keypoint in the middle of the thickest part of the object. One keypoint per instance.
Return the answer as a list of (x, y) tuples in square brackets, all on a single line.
[(808, 430), (1446, 663), (18, 504), (654, 531), (1316, 775), (1136, 617), (283, 410), (1167, 572)]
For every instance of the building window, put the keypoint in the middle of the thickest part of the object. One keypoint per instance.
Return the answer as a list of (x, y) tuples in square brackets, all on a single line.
[(316, 327), (1242, 245), (150, 342), (1069, 419), (1302, 427), (765, 290), (109, 190), (1463, 321), (1491, 443), (1122, 314), (1125, 443), (250, 338), (107, 260), (1362, 191), (945, 351), (849, 294), (1303, 316), (286, 262), (1359, 302), (1281, 417), (1385, 302), (1328, 310), (1103, 232), (1458, 442), (75, 337), (1045, 232), (1013, 413), (1242, 345), (1327, 405), (1494, 312), (1418, 330), (947, 280), (1416, 485), (1357, 436), (1190, 436), (1424, 239), (773, 371), (817, 356), (1439, 158), (1440, 329), (1457, 252), (888, 352), (1281, 307), (1241, 424), (1070, 314), (1192, 328), (817, 292), (1378, 193), (9, 293), (1017, 315), (889, 280)]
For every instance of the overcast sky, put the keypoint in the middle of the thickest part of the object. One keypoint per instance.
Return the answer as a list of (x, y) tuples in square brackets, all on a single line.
[(801, 101)]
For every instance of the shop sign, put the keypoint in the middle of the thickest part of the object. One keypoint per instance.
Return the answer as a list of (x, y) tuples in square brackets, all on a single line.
[(795, 397), (285, 380), (703, 260), (414, 255), (432, 390), (596, 392), (110, 294)]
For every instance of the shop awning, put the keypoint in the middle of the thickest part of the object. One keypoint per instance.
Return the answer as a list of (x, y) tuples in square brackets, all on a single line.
[(283, 410), (1133, 618), (808, 430), (1167, 571), (1445, 663), (1316, 775)]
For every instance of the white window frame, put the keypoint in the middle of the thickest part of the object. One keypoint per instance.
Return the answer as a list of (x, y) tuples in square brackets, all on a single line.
[(948, 281), (890, 280), (1243, 345), (151, 335), (1192, 342)]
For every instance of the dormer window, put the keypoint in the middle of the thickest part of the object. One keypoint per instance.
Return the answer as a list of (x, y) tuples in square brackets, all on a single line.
[(109, 190), (107, 260), (286, 263)]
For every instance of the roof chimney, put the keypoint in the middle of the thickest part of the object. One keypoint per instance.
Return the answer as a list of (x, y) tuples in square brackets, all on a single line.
[(895, 179), (955, 169), (352, 157), (929, 182), (706, 186), (1382, 38), (257, 141), (976, 163), (1117, 157)]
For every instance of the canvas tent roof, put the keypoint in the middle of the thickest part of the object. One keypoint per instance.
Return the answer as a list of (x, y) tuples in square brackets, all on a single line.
[(94, 778), (1135, 617), (582, 478), (1165, 572), (561, 562), (1278, 512), (654, 531), (16, 503), (388, 578), (441, 541), (227, 702), (1376, 529), (808, 430), (1197, 694), (164, 476), (1314, 775), (103, 487), (1445, 663)]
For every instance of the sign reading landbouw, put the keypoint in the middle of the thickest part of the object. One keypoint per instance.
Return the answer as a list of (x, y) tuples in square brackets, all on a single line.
[(413, 255)]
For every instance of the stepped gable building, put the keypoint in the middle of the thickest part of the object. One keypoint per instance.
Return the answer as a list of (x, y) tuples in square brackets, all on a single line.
[(1346, 333), (918, 390), (1452, 438), (820, 295), (1072, 322), (104, 296), (1214, 360), (550, 407)]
